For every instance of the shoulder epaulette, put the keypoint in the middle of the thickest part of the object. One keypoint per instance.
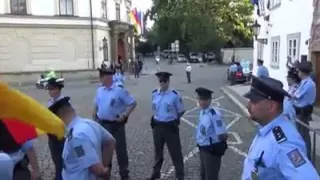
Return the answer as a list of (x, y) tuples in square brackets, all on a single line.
[(154, 90), (69, 135), (279, 134), (174, 91), (212, 111)]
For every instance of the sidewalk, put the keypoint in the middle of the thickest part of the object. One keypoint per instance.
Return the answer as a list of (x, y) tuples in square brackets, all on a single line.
[(28, 79), (236, 92)]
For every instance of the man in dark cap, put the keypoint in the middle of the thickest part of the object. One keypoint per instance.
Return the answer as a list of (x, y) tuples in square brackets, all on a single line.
[(112, 108), (303, 100), (55, 145), (278, 149), (211, 136), (168, 108), (88, 148), (262, 71), (293, 80)]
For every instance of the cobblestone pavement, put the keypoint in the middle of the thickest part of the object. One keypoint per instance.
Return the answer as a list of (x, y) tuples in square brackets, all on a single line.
[(139, 136)]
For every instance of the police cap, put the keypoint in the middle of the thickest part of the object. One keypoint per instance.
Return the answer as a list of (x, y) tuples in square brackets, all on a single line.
[(63, 102), (204, 93), (304, 67), (260, 61), (54, 83), (163, 75), (107, 71), (266, 88)]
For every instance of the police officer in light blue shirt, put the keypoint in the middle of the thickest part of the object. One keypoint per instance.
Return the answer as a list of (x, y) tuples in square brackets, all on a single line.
[(293, 80), (118, 76), (262, 71), (56, 146), (277, 152), (211, 136), (113, 106), (303, 100), (289, 111), (168, 108), (6, 166), (88, 146)]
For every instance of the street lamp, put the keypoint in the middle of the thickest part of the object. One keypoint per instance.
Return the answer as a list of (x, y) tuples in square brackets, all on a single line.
[(256, 27)]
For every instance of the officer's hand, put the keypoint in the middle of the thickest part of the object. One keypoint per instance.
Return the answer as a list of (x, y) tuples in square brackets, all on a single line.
[(122, 118), (36, 175), (107, 174)]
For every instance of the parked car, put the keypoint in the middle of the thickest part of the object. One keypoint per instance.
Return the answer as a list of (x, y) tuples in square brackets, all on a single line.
[(237, 77), (200, 57), (210, 56), (193, 57), (182, 58)]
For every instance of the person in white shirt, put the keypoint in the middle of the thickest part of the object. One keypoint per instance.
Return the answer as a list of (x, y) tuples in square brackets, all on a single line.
[(188, 72)]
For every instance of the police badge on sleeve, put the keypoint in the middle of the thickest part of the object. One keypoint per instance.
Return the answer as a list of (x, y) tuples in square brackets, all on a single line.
[(296, 158)]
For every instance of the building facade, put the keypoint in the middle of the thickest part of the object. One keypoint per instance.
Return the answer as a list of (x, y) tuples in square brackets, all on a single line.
[(63, 34), (285, 32)]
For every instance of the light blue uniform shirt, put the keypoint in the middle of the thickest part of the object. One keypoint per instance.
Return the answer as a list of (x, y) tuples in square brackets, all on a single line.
[(293, 88), (19, 155), (262, 71), (233, 68), (166, 105), (210, 126), (289, 111), (83, 148), (118, 78), (6, 166), (283, 154), (305, 94), (112, 102)]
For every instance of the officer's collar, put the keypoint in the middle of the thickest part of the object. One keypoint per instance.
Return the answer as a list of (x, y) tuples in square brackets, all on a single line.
[(110, 87), (72, 123), (264, 130), (163, 92)]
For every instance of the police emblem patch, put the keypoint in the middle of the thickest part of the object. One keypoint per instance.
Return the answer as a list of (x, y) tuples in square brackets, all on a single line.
[(219, 123), (203, 130), (79, 151), (296, 158)]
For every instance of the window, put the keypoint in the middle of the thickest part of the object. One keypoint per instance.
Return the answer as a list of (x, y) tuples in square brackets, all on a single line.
[(128, 14), (293, 46), (18, 7), (104, 9), (275, 3), (118, 15), (260, 50), (66, 7), (275, 52), (262, 7)]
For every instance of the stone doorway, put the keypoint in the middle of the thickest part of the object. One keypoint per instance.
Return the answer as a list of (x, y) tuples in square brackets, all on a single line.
[(122, 51), (316, 56)]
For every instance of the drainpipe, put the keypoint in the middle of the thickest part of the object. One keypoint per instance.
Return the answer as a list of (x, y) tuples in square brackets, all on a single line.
[(92, 37)]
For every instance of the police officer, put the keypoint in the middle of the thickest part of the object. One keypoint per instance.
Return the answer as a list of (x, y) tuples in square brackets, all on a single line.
[(113, 106), (277, 151), (55, 145), (6, 166), (118, 76), (211, 136), (303, 100), (293, 80), (88, 147), (262, 71), (232, 73), (167, 109)]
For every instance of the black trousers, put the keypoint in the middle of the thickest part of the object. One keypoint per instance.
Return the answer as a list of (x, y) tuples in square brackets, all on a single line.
[(161, 136), (304, 132), (56, 148), (118, 132), (21, 171), (209, 165), (188, 76)]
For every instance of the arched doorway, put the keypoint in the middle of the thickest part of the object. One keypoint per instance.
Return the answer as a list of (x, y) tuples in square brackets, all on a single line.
[(121, 50)]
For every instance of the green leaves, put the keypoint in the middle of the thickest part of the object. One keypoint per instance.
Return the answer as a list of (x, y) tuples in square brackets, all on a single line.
[(201, 24)]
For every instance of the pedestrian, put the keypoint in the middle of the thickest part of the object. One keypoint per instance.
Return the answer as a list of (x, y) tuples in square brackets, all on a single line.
[(262, 71), (211, 136), (303, 100), (113, 106), (88, 147), (136, 69), (293, 80), (55, 145), (188, 72), (168, 108), (118, 77), (278, 150), (232, 70)]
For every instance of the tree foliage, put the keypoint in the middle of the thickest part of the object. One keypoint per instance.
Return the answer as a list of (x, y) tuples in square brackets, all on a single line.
[(201, 25)]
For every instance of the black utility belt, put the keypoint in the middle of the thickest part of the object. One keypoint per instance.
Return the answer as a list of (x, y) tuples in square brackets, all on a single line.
[(23, 163), (305, 110), (105, 121), (216, 149), (168, 123)]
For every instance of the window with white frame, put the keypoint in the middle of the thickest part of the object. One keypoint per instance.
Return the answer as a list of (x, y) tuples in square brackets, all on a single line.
[(262, 7), (18, 7), (104, 9), (260, 50), (128, 14), (293, 46), (275, 3), (66, 7), (275, 52)]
